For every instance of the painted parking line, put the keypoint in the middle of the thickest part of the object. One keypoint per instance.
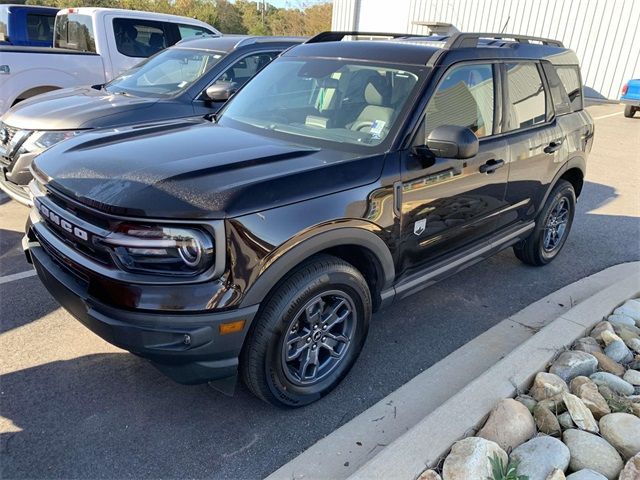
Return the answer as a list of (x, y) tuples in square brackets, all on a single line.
[(17, 276), (607, 116)]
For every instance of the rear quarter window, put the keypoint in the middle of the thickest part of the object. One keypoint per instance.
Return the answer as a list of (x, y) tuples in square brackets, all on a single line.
[(40, 27), (570, 78)]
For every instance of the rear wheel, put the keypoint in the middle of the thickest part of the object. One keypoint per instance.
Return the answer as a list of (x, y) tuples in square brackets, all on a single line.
[(552, 227), (629, 111), (309, 334)]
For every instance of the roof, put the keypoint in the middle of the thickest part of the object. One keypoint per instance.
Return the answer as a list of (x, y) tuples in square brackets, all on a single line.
[(227, 43), (30, 7)]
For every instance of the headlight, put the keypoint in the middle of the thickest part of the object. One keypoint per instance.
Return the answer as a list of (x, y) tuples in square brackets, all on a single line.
[(38, 141), (161, 249)]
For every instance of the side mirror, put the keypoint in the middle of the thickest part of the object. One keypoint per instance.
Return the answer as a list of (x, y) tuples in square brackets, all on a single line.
[(220, 92), (451, 141)]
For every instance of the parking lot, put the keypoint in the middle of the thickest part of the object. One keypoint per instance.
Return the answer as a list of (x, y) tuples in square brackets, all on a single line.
[(73, 406)]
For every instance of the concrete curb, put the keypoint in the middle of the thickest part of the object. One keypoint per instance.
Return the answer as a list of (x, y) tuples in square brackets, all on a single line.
[(428, 441)]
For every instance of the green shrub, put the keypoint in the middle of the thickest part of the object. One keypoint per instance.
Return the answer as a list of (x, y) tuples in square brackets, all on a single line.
[(500, 471)]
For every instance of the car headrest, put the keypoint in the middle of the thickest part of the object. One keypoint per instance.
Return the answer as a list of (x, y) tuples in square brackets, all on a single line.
[(375, 93)]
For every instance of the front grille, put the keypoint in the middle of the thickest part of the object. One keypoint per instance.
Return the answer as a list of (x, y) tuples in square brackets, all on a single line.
[(6, 134)]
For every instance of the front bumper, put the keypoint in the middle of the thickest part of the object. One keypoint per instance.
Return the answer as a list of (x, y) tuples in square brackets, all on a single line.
[(19, 193), (188, 348)]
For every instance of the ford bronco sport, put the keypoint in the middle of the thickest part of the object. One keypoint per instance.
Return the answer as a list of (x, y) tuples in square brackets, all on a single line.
[(346, 175)]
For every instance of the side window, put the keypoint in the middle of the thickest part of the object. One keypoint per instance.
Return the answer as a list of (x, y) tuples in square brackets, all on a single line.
[(559, 97), (570, 78), (527, 105), (465, 97), (190, 31), (245, 68), (140, 38), (40, 27)]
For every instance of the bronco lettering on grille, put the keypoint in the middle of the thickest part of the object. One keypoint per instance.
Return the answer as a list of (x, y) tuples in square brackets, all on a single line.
[(62, 223)]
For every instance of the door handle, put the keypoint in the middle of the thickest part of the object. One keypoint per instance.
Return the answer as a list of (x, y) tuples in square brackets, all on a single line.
[(553, 146), (491, 166)]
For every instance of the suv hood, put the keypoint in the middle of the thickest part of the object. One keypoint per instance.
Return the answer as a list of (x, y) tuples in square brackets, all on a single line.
[(195, 169), (71, 108)]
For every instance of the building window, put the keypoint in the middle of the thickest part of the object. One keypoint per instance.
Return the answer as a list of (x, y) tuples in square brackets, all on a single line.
[(527, 98), (465, 98)]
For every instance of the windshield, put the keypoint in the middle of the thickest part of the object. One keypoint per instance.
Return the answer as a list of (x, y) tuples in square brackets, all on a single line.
[(331, 100), (166, 74)]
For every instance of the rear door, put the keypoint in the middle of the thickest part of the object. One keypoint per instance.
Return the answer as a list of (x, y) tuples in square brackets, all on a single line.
[(536, 144), (450, 204)]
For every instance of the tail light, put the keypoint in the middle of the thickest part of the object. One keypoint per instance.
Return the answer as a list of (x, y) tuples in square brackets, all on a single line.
[(625, 87)]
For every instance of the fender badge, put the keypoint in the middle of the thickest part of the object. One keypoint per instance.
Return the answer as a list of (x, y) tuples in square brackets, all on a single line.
[(419, 226)]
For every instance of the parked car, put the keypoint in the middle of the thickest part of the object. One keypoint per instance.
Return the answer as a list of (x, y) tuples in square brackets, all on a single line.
[(344, 176), (180, 81), (631, 97), (27, 25), (92, 46)]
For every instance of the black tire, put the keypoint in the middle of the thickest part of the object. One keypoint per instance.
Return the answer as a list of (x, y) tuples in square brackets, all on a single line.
[(629, 111), (264, 365), (532, 250)]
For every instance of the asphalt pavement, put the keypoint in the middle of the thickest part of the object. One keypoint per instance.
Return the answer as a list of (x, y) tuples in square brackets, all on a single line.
[(73, 406)]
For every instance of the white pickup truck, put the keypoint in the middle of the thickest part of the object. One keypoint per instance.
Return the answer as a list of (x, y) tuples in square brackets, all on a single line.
[(90, 47)]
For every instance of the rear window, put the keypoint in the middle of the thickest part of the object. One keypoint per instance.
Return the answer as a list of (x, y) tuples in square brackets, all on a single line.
[(140, 38), (570, 78), (40, 27), (74, 31)]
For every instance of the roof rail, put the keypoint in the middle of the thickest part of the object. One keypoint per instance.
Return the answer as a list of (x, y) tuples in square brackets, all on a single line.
[(250, 40), (331, 36), (470, 39)]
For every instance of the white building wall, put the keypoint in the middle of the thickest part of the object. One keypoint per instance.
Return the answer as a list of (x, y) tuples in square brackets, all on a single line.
[(604, 33)]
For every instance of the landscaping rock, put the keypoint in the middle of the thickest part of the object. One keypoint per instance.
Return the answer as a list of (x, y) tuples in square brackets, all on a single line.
[(570, 364), (546, 385), (617, 319), (587, 344), (599, 328), (630, 309), (633, 344), (592, 452), (580, 414), (556, 474), (527, 401), (546, 421), (622, 430), (618, 352), (555, 404), (429, 475), (608, 365), (469, 458), (509, 424), (565, 421), (616, 384), (632, 376), (586, 474), (631, 470), (587, 391), (635, 364), (538, 457), (608, 337)]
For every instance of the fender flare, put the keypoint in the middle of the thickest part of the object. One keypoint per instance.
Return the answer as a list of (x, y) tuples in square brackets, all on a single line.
[(576, 161), (291, 256)]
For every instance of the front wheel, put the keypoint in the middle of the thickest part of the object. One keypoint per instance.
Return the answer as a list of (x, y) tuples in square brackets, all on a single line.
[(309, 334), (629, 111), (552, 227)]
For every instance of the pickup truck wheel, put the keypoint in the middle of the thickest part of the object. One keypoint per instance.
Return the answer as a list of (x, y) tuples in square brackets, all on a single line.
[(552, 227), (629, 111), (309, 334)]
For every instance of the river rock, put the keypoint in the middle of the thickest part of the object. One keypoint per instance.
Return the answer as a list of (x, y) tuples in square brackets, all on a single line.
[(509, 424), (527, 401), (587, 391), (622, 430), (633, 344), (570, 364), (631, 470), (580, 414), (632, 376), (608, 337), (599, 328), (587, 344), (618, 352), (469, 458), (621, 320), (555, 404), (607, 364), (592, 452), (546, 421), (546, 385), (565, 421), (556, 474), (630, 309), (586, 474), (616, 384), (538, 457), (429, 475)]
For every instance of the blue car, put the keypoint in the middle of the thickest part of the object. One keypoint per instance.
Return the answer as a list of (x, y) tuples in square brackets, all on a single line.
[(27, 25), (631, 97)]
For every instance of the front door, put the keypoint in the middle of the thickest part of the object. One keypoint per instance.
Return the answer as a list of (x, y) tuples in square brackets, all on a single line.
[(449, 204)]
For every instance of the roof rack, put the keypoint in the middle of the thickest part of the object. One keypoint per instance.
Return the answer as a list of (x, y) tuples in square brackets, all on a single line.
[(470, 39), (336, 36), (250, 40)]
